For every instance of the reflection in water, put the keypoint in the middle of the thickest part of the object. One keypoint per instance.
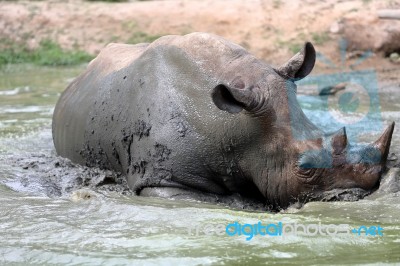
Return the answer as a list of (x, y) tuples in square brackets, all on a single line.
[(94, 226)]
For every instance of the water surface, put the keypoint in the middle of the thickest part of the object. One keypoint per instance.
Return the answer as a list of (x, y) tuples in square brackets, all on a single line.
[(93, 227)]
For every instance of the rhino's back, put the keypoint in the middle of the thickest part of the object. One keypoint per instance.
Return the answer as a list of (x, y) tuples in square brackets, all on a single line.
[(170, 79), (72, 109)]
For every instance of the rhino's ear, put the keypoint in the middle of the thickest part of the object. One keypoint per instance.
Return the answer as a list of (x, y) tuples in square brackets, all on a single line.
[(232, 100), (300, 65)]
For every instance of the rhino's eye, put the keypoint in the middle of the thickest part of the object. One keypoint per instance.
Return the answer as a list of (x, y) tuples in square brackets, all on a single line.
[(315, 159), (310, 175), (305, 172), (312, 163)]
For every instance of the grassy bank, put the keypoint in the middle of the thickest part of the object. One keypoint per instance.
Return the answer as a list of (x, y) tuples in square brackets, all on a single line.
[(47, 53)]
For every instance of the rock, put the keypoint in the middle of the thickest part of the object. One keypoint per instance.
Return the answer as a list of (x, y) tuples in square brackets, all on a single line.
[(331, 90), (390, 182), (367, 32), (336, 27), (394, 57), (82, 194), (392, 157), (389, 13)]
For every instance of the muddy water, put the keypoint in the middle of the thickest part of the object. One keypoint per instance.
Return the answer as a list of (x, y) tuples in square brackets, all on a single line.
[(47, 217)]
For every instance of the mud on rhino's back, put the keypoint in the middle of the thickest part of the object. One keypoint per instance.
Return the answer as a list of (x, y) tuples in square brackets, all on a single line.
[(73, 108)]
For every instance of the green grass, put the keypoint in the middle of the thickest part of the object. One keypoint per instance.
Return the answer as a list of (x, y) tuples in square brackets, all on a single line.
[(48, 53), (293, 46), (110, 1), (320, 38), (137, 35), (277, 4), (142, 37)]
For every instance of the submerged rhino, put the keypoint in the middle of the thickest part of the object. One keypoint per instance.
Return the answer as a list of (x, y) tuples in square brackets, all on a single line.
[(197, 114)]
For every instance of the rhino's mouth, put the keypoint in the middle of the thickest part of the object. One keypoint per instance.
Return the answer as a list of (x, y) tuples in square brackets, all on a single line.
[(347, 194)]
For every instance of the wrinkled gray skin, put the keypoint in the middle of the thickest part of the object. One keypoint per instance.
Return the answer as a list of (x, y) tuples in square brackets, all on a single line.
[(198, 115)]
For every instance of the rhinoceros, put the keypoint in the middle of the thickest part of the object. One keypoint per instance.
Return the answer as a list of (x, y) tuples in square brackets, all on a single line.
[(198, 114)]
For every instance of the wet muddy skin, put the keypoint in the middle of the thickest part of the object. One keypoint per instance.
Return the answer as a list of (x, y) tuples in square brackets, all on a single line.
[(56, 212), (59, 177), (179, 122)]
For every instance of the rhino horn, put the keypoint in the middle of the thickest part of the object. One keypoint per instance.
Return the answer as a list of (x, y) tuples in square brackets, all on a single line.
[(339, 141), (383, 143)]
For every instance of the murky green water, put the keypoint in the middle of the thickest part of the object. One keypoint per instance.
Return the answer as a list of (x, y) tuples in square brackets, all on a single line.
[(113, 229)]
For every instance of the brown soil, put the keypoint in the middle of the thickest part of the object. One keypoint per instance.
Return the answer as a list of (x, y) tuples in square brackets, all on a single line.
[(271, 29)]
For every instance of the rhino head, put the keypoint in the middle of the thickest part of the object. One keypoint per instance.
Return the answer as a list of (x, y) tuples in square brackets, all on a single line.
[(290, 159)]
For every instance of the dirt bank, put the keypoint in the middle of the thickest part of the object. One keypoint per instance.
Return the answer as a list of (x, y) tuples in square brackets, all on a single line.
[(272, 29)]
